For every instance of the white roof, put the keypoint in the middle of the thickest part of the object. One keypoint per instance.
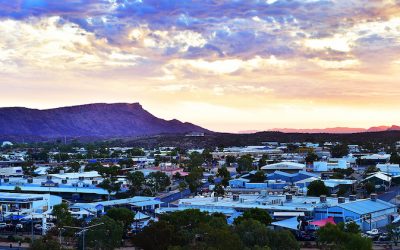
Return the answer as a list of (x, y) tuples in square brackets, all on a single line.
[(376, 156), (381, 176), (90, 174), (284, 165)]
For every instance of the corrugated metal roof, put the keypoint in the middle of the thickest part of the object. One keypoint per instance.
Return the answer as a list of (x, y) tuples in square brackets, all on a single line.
[(366, 206)]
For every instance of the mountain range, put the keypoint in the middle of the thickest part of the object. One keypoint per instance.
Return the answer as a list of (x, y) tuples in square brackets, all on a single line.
[(338, 130), (97, 120)]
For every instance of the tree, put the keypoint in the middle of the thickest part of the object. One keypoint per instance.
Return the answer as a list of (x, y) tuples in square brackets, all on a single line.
[(188, 229), (111, 185), (136, 180), (229, 160), (370, 170), (193, 179), (74, 166), (123, 215), (106, 236), (395, 158), (255, 214), (182, 187), (317, 188), (258, 177), (158, 235), (196, 160), (45, 243), (136, 152), (252, 233), (245, 163), (158, 181), (219, 190), (337, 237), (311, 157), (394, 233), (63, 215), (263, 161), (225, 175), (283, 240), (369, 187), (339, 150)]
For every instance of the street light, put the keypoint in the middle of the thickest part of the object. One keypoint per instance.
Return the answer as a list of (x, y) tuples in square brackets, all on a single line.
[(83, 230)]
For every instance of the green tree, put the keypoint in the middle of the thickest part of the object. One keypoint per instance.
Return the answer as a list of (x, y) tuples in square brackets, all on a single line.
[(255, 214), (283, 240), (311, 157), (136, 181), (195, 160), (395, 158), (111, 185), (245, 163), (123, 215), (107, 236), (258, 177), (63, 215), (317, 188), (219, 190), (158, 181), (252, 233), (394, 233), (193, 179), (336, 237), (229, 160), (263, 161), (136, 152), (158, 235), (45, 243), (225, 175), (339, 150), (369, 187)]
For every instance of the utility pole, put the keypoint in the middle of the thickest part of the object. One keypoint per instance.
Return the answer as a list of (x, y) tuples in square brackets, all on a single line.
[(83, 230)]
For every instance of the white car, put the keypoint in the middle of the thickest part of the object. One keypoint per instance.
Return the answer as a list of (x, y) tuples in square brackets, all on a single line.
[(3, 225)]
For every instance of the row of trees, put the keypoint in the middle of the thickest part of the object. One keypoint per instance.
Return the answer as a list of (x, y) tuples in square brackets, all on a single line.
[(197, 230)]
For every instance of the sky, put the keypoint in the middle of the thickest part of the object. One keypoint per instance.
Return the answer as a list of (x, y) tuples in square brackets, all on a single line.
[(225, 65)]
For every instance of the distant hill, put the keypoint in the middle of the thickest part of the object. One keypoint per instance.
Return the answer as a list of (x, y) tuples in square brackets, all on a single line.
[(338, 130), (91, 120)]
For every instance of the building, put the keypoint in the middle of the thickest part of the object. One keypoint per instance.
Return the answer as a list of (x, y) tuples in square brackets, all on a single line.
[(373, 159), (323, 166), (285, 166), (367, 213), (389, 169), (26, 204)]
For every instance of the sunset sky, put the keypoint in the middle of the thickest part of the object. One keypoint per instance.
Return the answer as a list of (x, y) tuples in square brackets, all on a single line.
[(225, 65)]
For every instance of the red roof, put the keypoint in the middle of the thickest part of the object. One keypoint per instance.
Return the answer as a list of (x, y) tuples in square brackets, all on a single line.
[(321, 223)]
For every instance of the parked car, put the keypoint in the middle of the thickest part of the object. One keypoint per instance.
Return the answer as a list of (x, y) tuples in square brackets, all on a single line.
[(3, 225)]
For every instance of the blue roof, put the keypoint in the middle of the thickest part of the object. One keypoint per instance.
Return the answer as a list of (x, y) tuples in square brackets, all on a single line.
[(366, 206), (291, 223)]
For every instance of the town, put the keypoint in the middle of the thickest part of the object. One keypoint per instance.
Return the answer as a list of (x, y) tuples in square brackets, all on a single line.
[(92, 195)]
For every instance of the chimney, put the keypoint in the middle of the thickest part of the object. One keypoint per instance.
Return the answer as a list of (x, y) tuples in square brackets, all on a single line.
[(373, 197), (341, 200), (322, 198), (289, 197), (352, 197), (334, 195)]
